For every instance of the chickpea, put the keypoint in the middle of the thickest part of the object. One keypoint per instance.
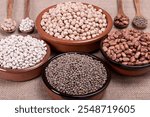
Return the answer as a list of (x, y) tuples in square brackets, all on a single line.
[(72, 19)]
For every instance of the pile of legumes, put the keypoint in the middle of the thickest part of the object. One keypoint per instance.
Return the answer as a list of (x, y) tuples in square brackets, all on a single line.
[(8, 25), (121, 21), (74, 21), (76, 74), (129, 47), (140, 22), (26, 24), (18, 52)]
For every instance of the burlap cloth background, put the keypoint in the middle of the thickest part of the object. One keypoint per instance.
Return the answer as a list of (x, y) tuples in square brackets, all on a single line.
[(120, 87)]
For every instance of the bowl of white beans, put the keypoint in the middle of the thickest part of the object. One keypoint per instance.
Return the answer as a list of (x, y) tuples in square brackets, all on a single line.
[(74, 26), (22, 57)]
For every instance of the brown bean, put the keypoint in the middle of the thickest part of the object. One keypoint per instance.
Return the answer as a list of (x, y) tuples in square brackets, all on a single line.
[(112, 43), (139, 62), (111, 47), (123, 54), (137, 55), (105, 49), (142, 58), (144, 50), (132, 59), (118, 40), (134, 40), (112, 52), (118, 55), (145, 62), (146, 55), (120, 59), (106, 41), (126, 46), (115, 35), (114, 57), (106, 44), (122, 47), (112, 38), (126, 59), (136, 43), (129, 56), (130, 43), (117, 47), (143, 53), (108, 52), (131, 37), (123, 40), (134, 50), (129, 51), (125, 63), (135, 35), (125, 22), (119, 51), (139, 47), (144, 43)]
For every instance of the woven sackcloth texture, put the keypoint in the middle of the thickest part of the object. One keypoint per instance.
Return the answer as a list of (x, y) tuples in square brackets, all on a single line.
[(121, 87)]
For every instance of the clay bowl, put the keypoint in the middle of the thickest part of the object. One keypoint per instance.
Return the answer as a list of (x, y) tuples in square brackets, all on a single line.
[(57, 95), (60, 45), (27, 73), (125, 69)]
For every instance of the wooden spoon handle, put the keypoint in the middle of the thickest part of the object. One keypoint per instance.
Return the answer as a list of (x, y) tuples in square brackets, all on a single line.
[(137, 7), (120, 7), (10, 8), (27, 8)]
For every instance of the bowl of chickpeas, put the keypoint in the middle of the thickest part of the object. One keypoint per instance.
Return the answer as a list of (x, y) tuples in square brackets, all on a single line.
[(74, 26)]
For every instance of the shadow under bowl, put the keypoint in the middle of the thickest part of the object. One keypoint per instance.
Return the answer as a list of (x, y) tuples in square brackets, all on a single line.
[(126, 70), (61, 45), (27, 73), (57, 95)]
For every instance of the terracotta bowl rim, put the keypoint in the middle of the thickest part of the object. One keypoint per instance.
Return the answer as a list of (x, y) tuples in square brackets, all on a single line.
[(45, 35), (42, 62), (120, 64), (77, 96)]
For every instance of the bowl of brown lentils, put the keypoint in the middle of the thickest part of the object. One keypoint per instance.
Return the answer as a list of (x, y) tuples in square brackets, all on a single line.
[(74, 26), (76, 76), (127, 51)]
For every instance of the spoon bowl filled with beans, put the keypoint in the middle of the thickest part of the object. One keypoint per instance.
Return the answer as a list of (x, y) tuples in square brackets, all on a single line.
[(76, 76), (22, 57), (74, 26), (128, 51)]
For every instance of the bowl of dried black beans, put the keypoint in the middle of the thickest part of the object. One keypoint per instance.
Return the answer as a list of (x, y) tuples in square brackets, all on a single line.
[(127, 51), (76, 76)]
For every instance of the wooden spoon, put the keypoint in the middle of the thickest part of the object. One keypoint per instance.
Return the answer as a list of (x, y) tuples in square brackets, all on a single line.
[(26, 17), (139, 21), (121, 20), (9, 25)]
